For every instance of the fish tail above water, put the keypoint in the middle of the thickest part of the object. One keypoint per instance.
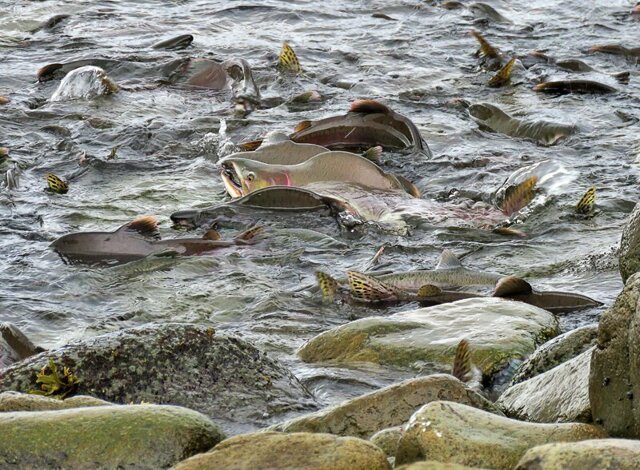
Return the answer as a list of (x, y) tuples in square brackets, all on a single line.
[(503, 75), (519, 196), (56, 184), (368, 289), (249, 236), (486, 49), (328, 285), (288, 60), (462, 362), (621, 77), (587, 202)]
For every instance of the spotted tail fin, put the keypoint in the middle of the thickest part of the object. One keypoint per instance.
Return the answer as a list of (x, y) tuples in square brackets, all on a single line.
[(462, 362), (368, 289)]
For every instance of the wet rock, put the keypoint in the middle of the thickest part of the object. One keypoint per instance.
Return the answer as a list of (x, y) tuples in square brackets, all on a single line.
[(630, 246), (433, 465), (619, 454), (556, 351), (14, 345), (498, 331), (14, 401), (454, 433), (389, 406), (388, 440), (174, 363), (614, 382), (558, 395), (140, 436), (290, 451)]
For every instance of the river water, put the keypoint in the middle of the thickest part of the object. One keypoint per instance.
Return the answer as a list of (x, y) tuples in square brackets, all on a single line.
[(420, 63)]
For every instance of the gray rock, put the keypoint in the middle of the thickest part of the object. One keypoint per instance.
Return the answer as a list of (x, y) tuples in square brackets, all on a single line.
[(556, 351), (389, 406), (131, 436), (614, 382), (558, 395), (15, 401), (388, 440), (14, 345), (630, 246), (181, 364)]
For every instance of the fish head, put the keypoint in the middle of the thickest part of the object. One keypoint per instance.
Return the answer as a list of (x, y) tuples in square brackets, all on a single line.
[(481, 111), (242, 176)]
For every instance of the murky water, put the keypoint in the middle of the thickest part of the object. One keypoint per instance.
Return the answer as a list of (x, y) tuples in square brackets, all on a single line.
[(168, 139)]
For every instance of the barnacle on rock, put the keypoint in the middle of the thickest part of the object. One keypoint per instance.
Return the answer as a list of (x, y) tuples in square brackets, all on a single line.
[(53, 383)]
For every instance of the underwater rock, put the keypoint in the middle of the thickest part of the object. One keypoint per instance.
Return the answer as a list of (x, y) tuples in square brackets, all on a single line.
[(630, 246), (454, 433), (14, 345), (619, 454), (15, 401)]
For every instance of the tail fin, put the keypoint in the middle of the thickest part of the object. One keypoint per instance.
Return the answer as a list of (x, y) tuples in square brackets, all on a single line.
[(368, 289), (288, 60), (328, 285), (462, 362), (250, 235), (145, 225), (586, 203), (486, 49), (503, 75), (519, 196), (56, 184)]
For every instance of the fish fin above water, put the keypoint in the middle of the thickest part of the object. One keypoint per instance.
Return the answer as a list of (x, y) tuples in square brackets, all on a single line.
[(57, 184), (373, 154), (250, 235), (511, 285), (519, 196), (211, 234), (369, 289), (328, 285), (368, 107), (462, 362), (429, 290), (250, 146), (408, 186), (503, 75), (302, 125), (586, 203), (486, 49), (509, 232), (288, 60), (448, 260), (146, 225)]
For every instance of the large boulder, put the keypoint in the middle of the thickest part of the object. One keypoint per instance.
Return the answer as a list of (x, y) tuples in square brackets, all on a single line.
[(559, 395), (454, 433), (614, 382), (281, 451), (389, 406), (630, 246), (433, 465), (556, 351), (14, 345), (128, 436), (15, 401), (175, 363), (498, 331), (618, 454)]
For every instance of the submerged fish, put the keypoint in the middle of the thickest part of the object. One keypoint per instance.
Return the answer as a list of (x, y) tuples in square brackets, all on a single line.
[(574, 86), (178, 42), (139, 239), (543, 132), (616, 49), (84, 83)]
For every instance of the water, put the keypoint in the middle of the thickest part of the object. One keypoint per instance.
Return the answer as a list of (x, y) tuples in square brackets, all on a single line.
[(168, 141)]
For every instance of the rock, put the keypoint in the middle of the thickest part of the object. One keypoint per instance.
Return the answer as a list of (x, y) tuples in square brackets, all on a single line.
[(558, 395), (433, 465), (14, 401), (614, 382), (619, 454), (175, 363), (453, 433), (630, 246), (14, 345), (389, 406), (282, 451), (141, 436), (498, 331), (556, 351), (388, 440)]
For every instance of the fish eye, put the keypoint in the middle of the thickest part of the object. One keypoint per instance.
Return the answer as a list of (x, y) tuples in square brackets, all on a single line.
[(251, 177)]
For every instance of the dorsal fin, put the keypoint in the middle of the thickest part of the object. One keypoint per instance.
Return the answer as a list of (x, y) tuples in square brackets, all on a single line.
[(211, 234), (328, 285), (429, 290), (146, 225), (448, 260), (373, 154), (368, 107), (250, 234), (511, 285), (369, 289), (462, 362), (302, 125)]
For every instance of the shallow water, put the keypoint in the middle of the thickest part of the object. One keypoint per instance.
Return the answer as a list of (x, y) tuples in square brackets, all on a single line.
[(168, 141)]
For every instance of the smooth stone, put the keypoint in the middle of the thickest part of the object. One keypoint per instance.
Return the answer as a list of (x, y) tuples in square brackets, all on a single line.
[(556, 351), (614, 382), (629, 255), (498, 331), (453, 433), (596, 454), (280, 451), (14, 345), (388, 440), (182, 364), (390, 406), (140, 436), (15, 401), (560, 395)]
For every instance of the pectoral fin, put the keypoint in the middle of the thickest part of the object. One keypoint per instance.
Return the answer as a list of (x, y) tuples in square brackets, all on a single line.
[(369, 289), (448, 260)]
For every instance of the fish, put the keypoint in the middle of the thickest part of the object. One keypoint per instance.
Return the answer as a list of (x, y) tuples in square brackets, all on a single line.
[(84, 83), (542, 132), (616, 49), (487, 11), (242, 176), (56, 185), (503, 76), (519, 196), (139, 239), (367, 124), (462, 367), (14, 345), (574, 86), (4, 100), (178, 42), (491, 56), (288, 60), (51, 23), (587, 202)]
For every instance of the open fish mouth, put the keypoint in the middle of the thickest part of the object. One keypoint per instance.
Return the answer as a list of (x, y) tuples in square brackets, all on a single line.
[(231, 180)]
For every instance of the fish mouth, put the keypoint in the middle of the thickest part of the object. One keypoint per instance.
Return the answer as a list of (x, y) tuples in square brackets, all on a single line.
[(231, 179)]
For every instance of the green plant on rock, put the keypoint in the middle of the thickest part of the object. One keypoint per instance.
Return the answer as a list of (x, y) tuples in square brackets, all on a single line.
[(54, 384)]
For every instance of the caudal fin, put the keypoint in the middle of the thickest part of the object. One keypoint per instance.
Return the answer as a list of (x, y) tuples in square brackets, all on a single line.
[(146, 225), (519, 196), (368, 289), (587, 202), (328, 285), (250, 235), (462, 362), (288, 60), (503, 75)]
